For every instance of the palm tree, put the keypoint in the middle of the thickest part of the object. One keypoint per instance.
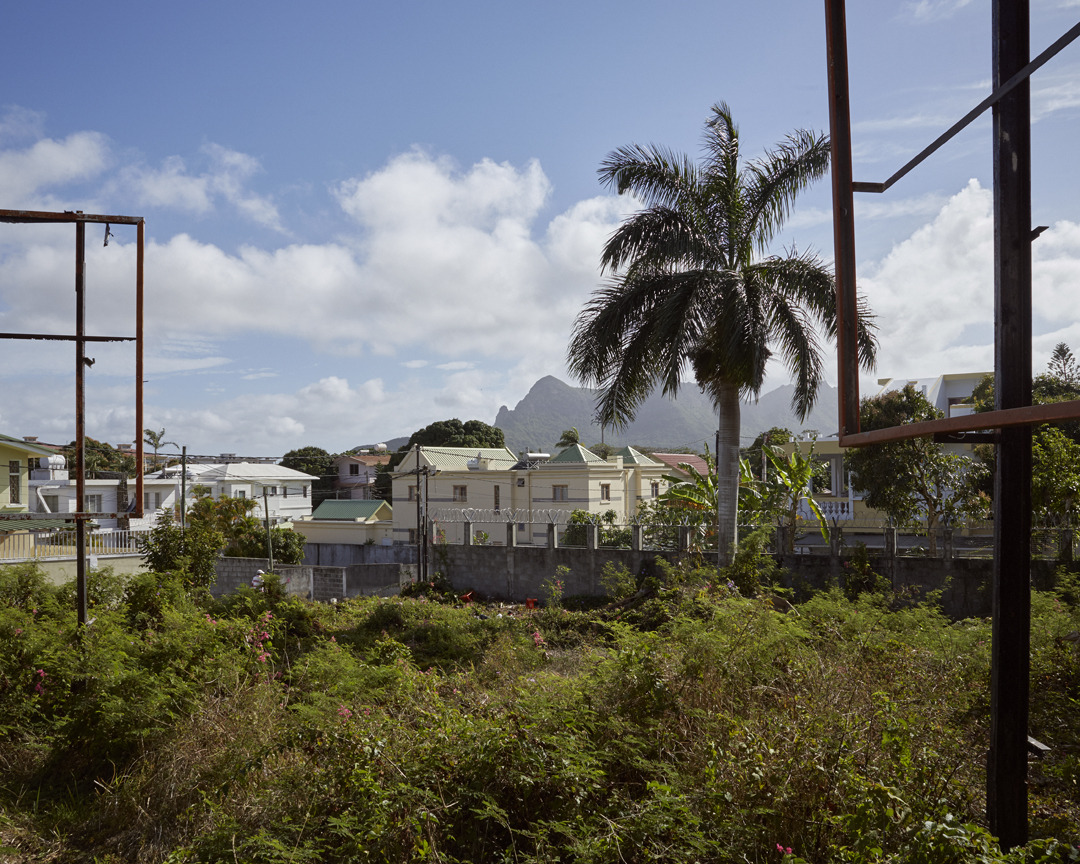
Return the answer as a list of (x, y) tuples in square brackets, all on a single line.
[(569, 438), (693, 287), (156, 440)]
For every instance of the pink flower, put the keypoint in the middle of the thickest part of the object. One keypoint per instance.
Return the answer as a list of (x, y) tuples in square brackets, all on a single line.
[(344, 712), (783, 849)]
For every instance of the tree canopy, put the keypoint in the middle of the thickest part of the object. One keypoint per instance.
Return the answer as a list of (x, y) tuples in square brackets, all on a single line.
[(915, 480), (454, 433)]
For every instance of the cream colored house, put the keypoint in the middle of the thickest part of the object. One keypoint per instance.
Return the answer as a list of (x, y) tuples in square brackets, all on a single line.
[(350, 522), (492, 489), (356, 473)]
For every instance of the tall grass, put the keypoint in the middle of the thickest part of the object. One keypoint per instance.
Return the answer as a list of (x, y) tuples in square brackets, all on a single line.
[(698, 725)]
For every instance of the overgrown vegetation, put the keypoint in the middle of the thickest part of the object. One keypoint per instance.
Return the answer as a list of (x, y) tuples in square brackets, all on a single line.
[(687, 723)]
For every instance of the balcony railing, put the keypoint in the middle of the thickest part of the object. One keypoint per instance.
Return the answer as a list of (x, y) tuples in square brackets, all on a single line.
[(58, 545)]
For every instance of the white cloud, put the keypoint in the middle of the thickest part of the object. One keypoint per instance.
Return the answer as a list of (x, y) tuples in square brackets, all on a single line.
[(935, 10), (935, 290), (173, 185), (49, 163)]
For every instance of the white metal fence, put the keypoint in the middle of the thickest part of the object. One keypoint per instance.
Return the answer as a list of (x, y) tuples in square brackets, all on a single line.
[(59, 544)]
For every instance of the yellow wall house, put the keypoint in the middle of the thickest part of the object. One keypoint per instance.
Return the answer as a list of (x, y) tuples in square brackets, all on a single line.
[(355, 522), (17, 460), (492, 489)]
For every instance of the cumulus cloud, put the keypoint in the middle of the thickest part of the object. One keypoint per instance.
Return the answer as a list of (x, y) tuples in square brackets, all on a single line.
[(934, 292), (173, 185), (27, 174)]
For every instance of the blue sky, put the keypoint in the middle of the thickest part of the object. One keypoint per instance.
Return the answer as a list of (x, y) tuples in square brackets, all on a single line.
[(366, 217)]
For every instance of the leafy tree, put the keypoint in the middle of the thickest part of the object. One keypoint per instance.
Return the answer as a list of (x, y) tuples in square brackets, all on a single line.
[(454, 433), (189, 552), (288, 544), (692, 285), (229, 517), (318, 463), (100, 457), (914, 480)]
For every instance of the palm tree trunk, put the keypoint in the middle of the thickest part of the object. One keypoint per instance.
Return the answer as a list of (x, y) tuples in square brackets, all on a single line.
[(727, 471)]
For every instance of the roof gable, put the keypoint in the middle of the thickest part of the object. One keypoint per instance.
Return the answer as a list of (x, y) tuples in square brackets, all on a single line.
[(575, 454), (630, 456), (351, 510)]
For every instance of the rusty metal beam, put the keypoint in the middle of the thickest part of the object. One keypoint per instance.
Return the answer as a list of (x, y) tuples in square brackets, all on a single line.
[(847, 316), (1000, 419), (55, 337), (140, 255), (995, 96), (81, 592), (65, 216)]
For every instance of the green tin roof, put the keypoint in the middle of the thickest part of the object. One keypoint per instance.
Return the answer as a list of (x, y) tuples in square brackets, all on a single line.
[(350, 510), (26, 447), (575, 454), (630, 456), (458, 458)]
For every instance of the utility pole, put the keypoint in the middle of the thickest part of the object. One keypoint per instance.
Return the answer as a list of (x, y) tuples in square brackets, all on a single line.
[(269, 536)]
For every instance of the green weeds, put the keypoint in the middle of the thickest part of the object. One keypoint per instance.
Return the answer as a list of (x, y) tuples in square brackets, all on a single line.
[(688, 723)]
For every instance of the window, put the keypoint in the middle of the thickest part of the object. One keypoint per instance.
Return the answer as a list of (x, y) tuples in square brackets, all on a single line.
[(558, 493), (284, 491), (52, 503), (461, 493), (271, 490), (151, 500), (605, 491), (497, 499), (241, 493), (13, 481), (412, 535), (412, 493), (654, 488), (354, 470), (93, 504), (305, 491)]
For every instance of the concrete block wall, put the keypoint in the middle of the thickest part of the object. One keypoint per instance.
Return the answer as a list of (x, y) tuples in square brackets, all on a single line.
[(516, 573)]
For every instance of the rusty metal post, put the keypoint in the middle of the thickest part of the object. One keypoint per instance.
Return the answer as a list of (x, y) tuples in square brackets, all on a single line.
[(139, 453), (1006, 798), (843, 217), (81, 593)]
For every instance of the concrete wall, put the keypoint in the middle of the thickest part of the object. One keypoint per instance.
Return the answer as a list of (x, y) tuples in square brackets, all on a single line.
[(516, 573), (60, 572), (347, 554), (321, 584)]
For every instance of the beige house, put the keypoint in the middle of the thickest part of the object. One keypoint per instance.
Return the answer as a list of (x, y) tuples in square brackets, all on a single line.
[(491, 489), (356, 473), (351, 522)]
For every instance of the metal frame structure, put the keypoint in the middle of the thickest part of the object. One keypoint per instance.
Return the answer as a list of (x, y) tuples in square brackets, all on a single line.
[(1014, 414), (81, 517)]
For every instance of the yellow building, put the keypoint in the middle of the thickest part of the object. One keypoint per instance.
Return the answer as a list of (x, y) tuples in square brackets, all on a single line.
[(492, 489), (353, 522)]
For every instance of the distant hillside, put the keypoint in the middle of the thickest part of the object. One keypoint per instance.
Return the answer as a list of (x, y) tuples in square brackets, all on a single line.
[(551, 406)]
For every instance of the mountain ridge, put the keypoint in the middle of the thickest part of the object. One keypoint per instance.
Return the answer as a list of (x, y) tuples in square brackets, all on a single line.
[(688, 421)]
